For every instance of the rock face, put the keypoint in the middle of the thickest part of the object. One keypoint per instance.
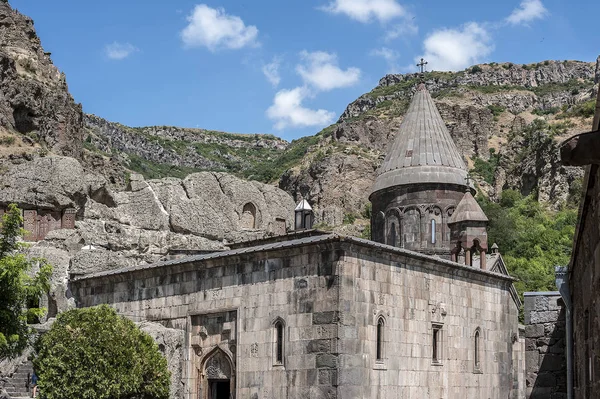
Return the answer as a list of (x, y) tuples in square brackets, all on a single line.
[(34, 98), (486, 108), (183, 147), (150, 221), (170, 342)]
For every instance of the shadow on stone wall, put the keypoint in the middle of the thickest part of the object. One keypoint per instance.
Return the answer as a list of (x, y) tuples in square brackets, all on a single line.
[(545, 350)]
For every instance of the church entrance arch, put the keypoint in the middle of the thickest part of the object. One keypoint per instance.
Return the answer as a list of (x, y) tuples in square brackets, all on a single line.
[(218, 376)]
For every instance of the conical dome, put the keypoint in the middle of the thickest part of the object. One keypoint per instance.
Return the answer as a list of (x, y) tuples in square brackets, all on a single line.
[(468, 210), (423, 150)]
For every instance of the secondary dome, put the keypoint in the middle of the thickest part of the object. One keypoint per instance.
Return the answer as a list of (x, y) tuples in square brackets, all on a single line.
[(423, 150)]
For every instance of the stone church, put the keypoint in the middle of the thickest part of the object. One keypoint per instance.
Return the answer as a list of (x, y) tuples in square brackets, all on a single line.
[(425, 310)]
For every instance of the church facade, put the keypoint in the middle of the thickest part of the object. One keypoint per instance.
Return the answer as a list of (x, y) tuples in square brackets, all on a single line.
[(422, 311)]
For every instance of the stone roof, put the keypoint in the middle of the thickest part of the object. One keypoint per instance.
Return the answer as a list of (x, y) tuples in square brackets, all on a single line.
[(303, 206), (468, 210), (423, 150), (311, 240)]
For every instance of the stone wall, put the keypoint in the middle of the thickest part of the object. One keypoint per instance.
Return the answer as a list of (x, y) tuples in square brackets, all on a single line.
[(545, 346), (328, 292), (414, 296), (585, 280)]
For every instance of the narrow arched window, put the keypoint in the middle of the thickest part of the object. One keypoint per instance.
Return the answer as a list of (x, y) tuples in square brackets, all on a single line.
[(433, 231), (380, 326), (279, 330), (393, 234), (477, 351)]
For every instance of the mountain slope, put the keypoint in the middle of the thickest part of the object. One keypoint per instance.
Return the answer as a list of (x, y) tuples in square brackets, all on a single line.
[(490, 111)]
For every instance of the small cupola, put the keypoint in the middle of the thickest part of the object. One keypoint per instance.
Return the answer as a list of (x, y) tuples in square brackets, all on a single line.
[(468, 231), (304, 215)]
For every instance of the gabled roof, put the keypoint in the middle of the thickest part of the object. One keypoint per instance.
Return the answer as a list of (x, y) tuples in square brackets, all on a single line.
[(423, 150), (468, 210)]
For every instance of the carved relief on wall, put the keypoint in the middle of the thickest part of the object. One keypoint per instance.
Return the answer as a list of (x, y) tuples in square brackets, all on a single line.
[(38, 223), (218, 366)]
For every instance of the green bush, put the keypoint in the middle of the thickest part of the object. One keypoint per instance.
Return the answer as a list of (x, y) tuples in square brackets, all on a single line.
[(349, 218), (486, 169), (20, 288), (476, 69), (93, 353), (532, 238), (583, 110), (547, 111), (496, 109)]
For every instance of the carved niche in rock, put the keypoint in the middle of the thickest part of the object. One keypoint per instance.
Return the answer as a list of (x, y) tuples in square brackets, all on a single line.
[(248, 219)]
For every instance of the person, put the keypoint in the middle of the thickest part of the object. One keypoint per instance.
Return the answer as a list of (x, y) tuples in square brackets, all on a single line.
[(34, 380)]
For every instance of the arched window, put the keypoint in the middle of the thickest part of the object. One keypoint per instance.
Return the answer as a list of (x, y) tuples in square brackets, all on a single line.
[(279, 339), (393, 234), (380, 326), (477, 351), (433, 231)]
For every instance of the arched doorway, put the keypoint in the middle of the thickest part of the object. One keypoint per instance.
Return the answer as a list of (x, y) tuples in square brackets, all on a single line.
[(218, 381)]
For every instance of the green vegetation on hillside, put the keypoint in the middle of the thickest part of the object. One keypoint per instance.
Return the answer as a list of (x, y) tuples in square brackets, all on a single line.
[(271, 170), (95, 353), (153, 170), (583, 110), (21, 288), (486, 169), (532, 238)]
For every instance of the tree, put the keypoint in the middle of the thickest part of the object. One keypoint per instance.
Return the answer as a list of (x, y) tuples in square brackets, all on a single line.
[(21, 287), (93, 353)]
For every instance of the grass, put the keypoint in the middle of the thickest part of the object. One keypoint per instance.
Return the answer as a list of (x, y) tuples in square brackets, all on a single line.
[(7, 141)]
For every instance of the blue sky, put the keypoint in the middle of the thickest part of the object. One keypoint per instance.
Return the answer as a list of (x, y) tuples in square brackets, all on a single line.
[(284, 67)]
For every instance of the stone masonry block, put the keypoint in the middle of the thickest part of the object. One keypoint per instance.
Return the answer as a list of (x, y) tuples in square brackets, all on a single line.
[(534, 331), (325, 317), (326, 360)]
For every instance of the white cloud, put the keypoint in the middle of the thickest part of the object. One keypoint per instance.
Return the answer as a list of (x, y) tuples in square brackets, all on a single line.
[(321, 71), (367, 10), (390, 56), (287, 110), (271, 71), (214, 29), (455, 49), (527, 11), (119, 51), (405, 28)]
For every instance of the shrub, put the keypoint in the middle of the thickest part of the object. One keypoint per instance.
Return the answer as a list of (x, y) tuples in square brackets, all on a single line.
[(20, 287), (547, 111), (95, 353), (583, 110), (476, 69), (496, 109), (349, 218)]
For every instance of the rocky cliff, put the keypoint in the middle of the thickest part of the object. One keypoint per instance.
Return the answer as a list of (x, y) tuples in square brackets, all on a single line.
[(159, 151), (505, 118), (150, 221), (35, 104)]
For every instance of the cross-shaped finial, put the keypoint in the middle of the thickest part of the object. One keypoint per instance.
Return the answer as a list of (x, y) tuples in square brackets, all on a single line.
[(422, 65), (468, 179)]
